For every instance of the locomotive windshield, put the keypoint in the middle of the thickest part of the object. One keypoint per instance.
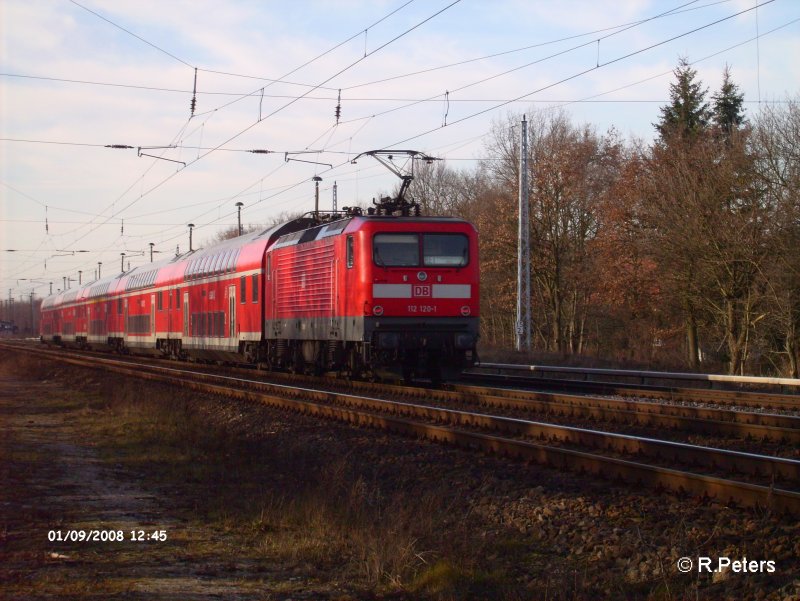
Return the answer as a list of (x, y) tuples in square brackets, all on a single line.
[(396, 250), (445, 250), (437, 250)]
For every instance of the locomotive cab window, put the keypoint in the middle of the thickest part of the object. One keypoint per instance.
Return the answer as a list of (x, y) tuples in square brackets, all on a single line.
[(445, 250), (405, 250), (396, 250)]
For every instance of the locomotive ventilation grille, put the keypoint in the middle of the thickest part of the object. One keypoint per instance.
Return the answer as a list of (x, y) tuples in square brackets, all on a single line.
[(304, 280)]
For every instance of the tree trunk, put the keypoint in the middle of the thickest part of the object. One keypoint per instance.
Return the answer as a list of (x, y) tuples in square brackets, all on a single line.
[(734, 337), (692, 342), (791, 351)]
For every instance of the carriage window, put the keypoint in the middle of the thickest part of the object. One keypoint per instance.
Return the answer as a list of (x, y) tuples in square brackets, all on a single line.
[(226, 259), (255, 288), (243, 289), (350, 249), (395, 250), (445, 250), (232, 260), (212, 266), (160, 300)]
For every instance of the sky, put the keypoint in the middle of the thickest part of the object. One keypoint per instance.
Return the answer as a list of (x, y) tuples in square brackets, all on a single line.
[(79, 76)]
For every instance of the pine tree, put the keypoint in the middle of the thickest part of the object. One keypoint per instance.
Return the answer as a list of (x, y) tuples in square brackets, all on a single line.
[(687, 114), (728, 110)]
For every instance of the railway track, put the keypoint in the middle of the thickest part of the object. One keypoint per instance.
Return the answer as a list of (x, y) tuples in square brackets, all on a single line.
[(722, 398), (761, 480), (635, 414)]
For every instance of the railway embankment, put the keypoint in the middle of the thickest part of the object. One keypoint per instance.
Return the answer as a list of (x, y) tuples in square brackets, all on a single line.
[(258, 503)]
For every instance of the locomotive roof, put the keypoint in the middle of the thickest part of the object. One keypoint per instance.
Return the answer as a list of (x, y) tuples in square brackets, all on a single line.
[(333, 228), (175, 267)]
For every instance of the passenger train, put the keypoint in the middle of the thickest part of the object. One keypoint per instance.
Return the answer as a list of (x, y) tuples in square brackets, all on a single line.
[(386, 293)]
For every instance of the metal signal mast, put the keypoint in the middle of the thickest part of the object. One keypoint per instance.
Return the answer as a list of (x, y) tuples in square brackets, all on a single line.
[(523, 340)]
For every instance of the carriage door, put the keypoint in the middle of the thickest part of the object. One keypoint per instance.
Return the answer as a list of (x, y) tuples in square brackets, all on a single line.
[(232, 311), (153, 315), (185, 314), (125, 327)]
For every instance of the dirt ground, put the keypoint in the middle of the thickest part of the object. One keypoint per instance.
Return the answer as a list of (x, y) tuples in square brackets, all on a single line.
[(233, 501), (58, 482)]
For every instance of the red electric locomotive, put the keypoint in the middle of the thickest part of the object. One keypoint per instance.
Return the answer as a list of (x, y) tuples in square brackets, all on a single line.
[(387, 292), (372, 293)]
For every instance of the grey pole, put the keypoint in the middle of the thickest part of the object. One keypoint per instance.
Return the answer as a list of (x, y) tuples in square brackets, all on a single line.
[(523, 338), (191, 227), (316, 179), (239, 206)]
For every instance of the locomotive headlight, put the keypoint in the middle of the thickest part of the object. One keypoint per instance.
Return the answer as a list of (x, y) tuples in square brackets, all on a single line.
[(377, 310), (465, 310)]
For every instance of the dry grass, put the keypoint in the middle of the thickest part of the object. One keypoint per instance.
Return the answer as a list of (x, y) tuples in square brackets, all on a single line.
[(286, 498)]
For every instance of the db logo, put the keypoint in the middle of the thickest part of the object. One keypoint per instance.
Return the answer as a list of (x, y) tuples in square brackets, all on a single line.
[(422, 291)]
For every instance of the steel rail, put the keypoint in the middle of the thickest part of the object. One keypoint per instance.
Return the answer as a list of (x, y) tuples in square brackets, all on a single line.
[(701, 420), (739, 398), (587, 372), (749, 463), (722, 489), (743, 424)]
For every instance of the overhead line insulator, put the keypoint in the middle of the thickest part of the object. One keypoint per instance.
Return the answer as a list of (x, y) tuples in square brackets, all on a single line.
[(194, 93)]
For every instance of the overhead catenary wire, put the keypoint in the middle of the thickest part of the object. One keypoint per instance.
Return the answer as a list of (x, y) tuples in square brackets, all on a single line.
[(288, 104), (559, 101), (384, 45), (621, 27), (144, 193), (370, 117), (630, 54), (113, 213), (584, 72), (129, 32)]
